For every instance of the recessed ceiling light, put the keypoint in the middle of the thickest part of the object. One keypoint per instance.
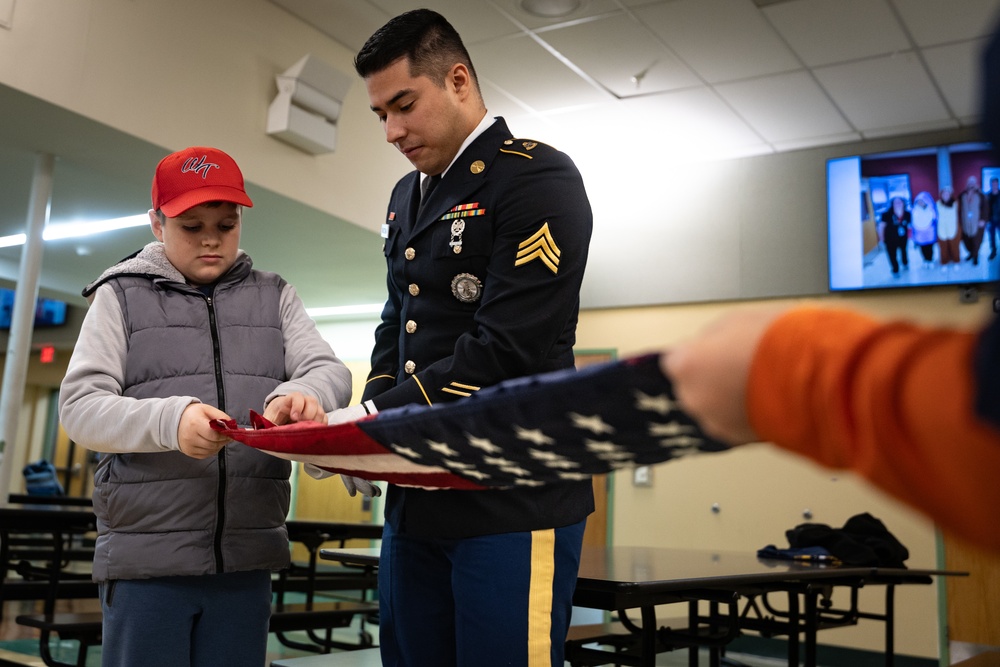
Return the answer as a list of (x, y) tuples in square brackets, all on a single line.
[(550, 9)]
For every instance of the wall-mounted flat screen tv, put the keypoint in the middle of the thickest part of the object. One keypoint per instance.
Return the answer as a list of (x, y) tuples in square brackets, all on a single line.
[(914, 218), (48, 312)]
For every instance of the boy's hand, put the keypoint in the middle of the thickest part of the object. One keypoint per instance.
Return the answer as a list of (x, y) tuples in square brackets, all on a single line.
[(294, 407), (195, 437)]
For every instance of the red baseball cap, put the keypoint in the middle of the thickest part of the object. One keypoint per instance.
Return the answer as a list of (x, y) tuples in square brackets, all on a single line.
[(194, 176)]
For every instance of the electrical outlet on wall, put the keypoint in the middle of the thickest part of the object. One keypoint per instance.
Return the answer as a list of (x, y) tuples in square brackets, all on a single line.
[(642, 476)]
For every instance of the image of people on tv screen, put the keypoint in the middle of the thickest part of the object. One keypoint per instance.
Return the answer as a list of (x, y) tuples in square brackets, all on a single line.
[(929, 216), (894, 233)]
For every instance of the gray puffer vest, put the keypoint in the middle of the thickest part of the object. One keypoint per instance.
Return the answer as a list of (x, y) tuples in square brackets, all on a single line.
[(165, 514)]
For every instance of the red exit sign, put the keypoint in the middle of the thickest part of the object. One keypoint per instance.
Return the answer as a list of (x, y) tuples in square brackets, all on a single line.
[(48, 354)]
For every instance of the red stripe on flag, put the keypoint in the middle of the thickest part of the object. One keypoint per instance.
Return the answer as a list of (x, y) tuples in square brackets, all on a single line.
[(304, 438), (330, 447)]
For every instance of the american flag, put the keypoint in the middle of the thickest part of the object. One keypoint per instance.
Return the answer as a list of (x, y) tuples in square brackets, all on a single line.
[(565, 425)]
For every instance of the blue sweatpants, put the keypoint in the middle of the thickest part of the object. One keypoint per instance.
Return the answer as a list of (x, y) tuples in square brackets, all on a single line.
[(477, 602), (215, 620)]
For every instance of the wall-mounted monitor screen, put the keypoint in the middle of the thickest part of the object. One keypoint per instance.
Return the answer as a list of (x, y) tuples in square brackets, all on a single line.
[(913, 218), (48, 312)]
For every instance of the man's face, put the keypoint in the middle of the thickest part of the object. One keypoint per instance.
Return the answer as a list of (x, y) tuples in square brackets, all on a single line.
[(421, 119), (202, 242)]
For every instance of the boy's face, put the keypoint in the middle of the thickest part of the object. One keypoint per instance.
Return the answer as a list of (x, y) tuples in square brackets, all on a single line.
[(202, 242)]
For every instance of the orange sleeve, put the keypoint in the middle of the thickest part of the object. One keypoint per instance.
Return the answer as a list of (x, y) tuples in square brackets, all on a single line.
[(890, 401)]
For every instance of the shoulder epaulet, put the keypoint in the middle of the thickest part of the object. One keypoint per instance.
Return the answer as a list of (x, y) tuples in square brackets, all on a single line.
[(522, 147)]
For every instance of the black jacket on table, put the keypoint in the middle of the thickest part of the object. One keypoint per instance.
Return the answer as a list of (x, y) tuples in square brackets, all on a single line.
[(484, 285)]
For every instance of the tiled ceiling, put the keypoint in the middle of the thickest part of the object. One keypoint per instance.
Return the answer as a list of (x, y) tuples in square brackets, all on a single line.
[(772, 75), (637, 82)]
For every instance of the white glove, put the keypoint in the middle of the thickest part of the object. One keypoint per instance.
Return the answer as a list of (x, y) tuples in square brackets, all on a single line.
[(355, 484), (350, 414), (316, 472)]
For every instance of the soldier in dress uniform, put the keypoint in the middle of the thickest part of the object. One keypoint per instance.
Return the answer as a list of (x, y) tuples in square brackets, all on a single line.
[(483, 280)]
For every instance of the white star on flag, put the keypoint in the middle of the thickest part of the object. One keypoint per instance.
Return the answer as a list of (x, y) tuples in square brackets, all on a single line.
[(405, 451), (592, 423), (673, 428), (533, 435), (497, 461), (483, 444), (539, 455), (597, 446), (458, 465), (441, 448), (659, 404)]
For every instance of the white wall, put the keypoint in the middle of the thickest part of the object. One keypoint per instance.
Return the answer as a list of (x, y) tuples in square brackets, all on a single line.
[(187, 72)]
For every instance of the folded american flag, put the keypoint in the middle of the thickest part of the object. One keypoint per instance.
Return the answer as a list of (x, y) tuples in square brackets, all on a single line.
[(565, 425)]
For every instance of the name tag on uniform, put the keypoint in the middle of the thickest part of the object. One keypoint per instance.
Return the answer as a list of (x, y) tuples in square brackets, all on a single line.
[(385, 230)]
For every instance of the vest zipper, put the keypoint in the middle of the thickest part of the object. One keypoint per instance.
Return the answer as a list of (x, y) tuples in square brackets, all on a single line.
[(221, 392)]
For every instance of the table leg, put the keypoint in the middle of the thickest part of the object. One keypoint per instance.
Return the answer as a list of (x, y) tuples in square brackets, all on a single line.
[(793, 628), (811, 596), (714, 652), (647, 652), (693, 623), (890, 614)]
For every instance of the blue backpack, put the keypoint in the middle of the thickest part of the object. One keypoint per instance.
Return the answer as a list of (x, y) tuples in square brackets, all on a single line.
[(40, 479)]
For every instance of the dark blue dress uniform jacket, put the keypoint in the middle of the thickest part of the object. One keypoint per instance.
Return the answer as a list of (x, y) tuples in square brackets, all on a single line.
[(483, 286)]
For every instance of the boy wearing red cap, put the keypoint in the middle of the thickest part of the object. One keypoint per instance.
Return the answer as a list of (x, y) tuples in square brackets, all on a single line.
[(190, 525)]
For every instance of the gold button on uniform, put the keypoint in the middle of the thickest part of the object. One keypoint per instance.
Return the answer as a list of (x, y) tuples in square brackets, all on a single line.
[(411, 326), (410, 367), (414, 289), (410, 253)]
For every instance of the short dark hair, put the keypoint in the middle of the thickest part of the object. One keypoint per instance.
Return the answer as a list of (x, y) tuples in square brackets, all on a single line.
[(422, 36)]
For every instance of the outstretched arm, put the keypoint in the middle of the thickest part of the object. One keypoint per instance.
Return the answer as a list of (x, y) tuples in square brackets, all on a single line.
[(892, 401)]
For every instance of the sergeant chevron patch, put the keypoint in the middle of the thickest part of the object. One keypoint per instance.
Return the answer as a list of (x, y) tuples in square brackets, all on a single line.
[(460, 389), (541, 246)]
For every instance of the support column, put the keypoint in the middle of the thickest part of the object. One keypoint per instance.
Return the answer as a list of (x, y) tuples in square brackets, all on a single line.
[(23, 320)]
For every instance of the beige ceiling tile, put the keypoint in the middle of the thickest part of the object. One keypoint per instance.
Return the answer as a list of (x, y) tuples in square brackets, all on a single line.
[(533, 75), (720, 40), (622, 55), (932, 22), (805, 110), (823, 32), (883, 92)]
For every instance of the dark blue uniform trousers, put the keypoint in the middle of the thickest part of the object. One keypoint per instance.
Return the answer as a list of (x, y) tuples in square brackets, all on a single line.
[(482, 601)]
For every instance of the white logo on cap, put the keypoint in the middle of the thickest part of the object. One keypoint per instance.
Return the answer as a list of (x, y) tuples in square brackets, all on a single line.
[(198, 165)]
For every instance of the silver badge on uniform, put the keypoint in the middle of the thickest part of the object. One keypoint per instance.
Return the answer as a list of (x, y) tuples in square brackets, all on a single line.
[(457, 227), (466, 287)]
